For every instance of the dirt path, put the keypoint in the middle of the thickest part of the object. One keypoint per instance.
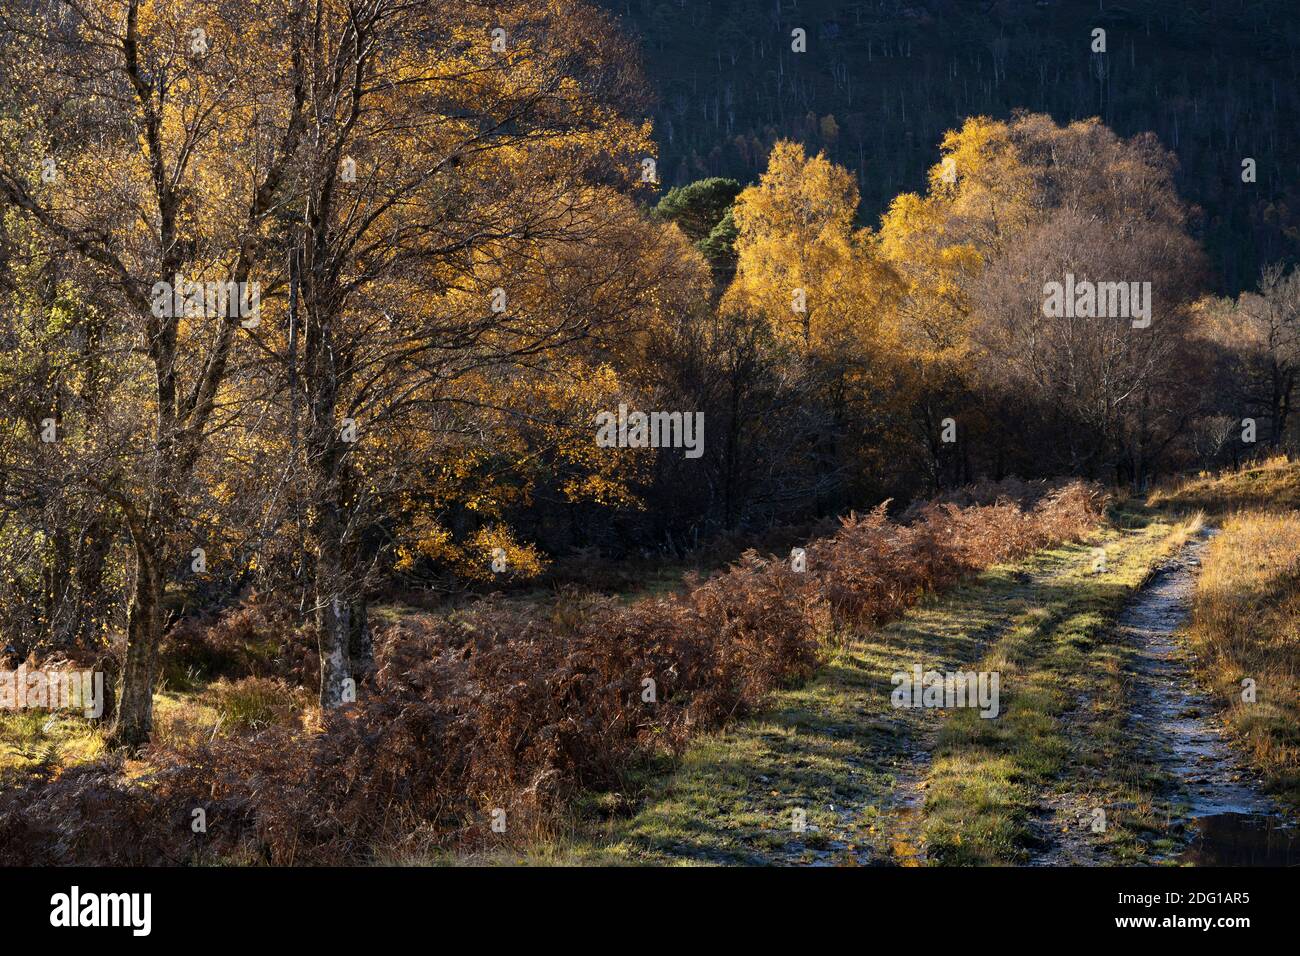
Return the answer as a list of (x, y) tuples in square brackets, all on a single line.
[(835, 751), (1174, 719), (1216, 805), (1213, 810)]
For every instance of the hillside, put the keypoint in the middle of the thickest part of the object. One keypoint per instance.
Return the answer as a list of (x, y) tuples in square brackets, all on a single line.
[(881, 81)]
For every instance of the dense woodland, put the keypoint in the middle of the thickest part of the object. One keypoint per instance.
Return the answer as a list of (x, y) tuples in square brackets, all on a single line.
[(464, 254), (882, 80)]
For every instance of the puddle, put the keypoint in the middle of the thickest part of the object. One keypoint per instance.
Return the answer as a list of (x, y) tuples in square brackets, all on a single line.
[(1242, 839), (906, 846), (902, 840)]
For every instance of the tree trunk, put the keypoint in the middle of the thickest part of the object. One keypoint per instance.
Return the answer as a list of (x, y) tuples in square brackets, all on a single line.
[(332, 594), (333, 631), (144, 632), (324, 451), (332, 601), (57, 578)]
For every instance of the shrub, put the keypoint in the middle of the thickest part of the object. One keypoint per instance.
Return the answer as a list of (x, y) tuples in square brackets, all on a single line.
[(872, 569)]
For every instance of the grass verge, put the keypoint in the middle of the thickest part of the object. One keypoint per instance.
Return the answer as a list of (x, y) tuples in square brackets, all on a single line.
[(1245, 633)]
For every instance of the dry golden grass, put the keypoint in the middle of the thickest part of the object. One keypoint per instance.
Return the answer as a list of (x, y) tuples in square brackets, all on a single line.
[(1274, 483), (1246, 626), (33, 740), (226, 707)]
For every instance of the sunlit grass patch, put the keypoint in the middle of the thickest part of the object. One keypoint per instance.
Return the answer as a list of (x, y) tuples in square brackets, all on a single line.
[(1246, 628), (228, 707), (1274, 483), (33, 739)]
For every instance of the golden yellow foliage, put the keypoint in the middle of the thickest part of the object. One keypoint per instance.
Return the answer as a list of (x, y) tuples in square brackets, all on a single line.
[(801, 264)]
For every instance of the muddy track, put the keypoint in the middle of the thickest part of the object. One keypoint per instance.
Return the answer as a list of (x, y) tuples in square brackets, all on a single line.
[(1216, 812), (1062, 824), (1216, 801)]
